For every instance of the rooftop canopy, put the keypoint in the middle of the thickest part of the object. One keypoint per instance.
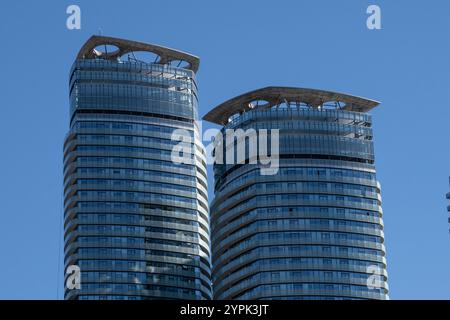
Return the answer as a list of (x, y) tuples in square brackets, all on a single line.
[(275, 96), (166, 55)]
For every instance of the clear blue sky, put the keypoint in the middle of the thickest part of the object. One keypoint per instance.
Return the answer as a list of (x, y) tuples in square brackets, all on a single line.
[(243, 45)]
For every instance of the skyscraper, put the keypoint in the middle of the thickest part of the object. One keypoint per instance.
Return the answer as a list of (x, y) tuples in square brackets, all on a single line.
[(314, 229), (135, 222)]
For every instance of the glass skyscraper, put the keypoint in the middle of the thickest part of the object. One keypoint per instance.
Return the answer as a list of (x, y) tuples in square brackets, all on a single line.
[(314, 229), (135, 222)]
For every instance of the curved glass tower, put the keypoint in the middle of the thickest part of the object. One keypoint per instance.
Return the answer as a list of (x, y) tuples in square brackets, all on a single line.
[(314, 229), (135, 222)]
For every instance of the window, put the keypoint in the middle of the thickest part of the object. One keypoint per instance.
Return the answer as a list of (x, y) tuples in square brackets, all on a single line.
[(275, 275), (327, 261), (325, 236)]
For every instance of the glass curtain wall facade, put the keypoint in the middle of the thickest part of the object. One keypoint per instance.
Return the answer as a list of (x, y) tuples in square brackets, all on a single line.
[(313, 230), (135, 222)]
